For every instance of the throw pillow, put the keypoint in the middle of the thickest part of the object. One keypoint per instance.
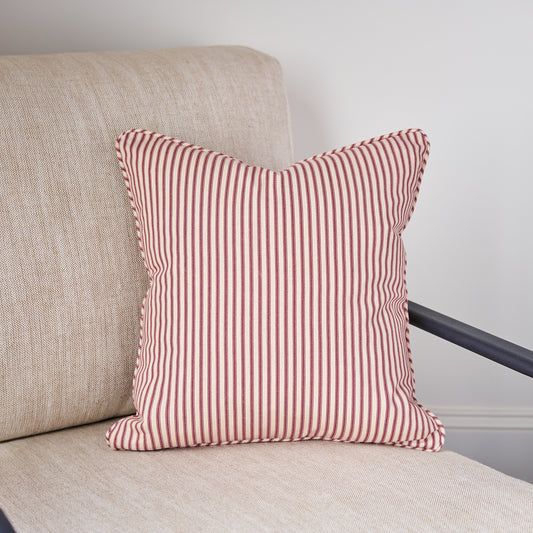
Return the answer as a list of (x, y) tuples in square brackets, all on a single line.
[(277, 305)]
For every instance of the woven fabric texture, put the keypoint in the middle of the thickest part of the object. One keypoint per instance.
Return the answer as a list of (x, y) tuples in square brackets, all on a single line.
[(71, 275), (277, 306), (294, 486)]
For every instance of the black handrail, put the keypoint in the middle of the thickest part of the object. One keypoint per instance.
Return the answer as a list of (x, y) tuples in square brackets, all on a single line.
[(476, 340)]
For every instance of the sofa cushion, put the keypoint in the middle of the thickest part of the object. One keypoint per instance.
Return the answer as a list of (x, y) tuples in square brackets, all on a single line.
[(71, 481), (277, 306), (71, 275)]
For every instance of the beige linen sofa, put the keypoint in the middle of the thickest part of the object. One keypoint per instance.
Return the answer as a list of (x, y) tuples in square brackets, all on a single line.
[(73, 283)]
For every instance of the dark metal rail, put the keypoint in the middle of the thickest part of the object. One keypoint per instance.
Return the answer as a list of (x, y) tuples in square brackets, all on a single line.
[(476, 340), (5, 525)]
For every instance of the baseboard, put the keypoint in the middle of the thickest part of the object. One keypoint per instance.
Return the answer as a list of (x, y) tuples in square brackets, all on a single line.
[(484, 418)]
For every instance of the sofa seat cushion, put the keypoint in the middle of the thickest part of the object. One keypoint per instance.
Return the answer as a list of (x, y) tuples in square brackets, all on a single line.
[(71, 481)]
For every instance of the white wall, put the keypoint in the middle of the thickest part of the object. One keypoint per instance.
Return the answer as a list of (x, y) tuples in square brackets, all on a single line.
[(462, 71)]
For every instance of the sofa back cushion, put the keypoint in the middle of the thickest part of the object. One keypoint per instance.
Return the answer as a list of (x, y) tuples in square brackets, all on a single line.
[(71, 274)]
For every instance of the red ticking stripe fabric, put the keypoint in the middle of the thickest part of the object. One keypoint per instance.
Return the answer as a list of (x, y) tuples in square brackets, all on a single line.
[(277, 305)]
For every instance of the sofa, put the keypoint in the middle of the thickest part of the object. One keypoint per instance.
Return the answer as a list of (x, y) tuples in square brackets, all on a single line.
[(75, 279)]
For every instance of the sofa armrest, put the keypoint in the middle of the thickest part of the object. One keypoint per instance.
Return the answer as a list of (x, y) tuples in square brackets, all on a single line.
[(5, 525), (494, 348)]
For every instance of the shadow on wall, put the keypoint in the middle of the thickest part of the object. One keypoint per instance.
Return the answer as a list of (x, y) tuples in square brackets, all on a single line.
[(494, 448), (309, 129)]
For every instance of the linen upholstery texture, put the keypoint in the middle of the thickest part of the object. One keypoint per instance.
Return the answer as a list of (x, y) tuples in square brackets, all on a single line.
[(71, 275), (295, 486)]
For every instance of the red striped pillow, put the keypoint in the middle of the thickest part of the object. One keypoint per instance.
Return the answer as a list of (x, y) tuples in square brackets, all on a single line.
[(277, 305)]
